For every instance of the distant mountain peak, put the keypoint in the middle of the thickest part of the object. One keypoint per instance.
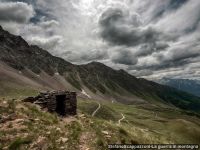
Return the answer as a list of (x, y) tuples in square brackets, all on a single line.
[(96, 63)]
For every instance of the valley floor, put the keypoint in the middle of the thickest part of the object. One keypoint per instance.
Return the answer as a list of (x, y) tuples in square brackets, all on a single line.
[(26, 126)]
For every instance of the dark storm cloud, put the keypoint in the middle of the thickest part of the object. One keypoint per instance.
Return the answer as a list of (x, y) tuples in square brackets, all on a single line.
[(148, 49), (118, 29), (124, 57), (183, 51), (161, 65), (121, 28), (16, 12), (175, 4), (94, 55), (174, 58), (161, 46), (145, 50)]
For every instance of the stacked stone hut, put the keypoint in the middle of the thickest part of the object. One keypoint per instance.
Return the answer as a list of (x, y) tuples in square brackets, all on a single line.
[(62, 102)]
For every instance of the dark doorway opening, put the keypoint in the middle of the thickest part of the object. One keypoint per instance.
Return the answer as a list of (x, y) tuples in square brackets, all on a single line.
[(61, 104)]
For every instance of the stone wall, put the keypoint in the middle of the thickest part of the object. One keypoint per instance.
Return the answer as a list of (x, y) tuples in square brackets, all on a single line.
[(62, 102)]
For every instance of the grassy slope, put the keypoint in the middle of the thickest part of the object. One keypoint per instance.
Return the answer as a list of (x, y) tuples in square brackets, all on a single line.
[(153, 124), (15, 90), (29, 127)]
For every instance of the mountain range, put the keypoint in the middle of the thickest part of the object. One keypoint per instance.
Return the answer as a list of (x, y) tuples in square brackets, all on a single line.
[(26, 68), (190, 86)]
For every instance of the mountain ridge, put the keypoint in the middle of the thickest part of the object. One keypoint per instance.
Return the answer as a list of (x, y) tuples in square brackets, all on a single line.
[(190, 86), (101, 81)]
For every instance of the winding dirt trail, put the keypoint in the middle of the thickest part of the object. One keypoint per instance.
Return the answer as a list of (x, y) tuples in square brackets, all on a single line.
[(93, 114), (123, 117)]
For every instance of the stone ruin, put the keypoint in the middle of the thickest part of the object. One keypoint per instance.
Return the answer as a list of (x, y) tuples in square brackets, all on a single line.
[(62, 102)]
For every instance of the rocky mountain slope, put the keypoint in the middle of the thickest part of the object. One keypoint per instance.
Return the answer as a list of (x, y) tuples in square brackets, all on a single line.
[(24, 66), (190, 86)]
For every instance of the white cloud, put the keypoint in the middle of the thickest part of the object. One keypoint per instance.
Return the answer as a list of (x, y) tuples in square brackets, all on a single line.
[(16, 12), (46, 43), (49, 24), (182, 19)]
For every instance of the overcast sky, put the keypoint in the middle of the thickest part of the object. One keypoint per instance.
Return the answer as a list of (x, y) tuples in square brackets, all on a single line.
[(147, 38)]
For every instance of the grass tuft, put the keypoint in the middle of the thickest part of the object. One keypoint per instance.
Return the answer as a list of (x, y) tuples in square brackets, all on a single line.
[(16, 144)]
